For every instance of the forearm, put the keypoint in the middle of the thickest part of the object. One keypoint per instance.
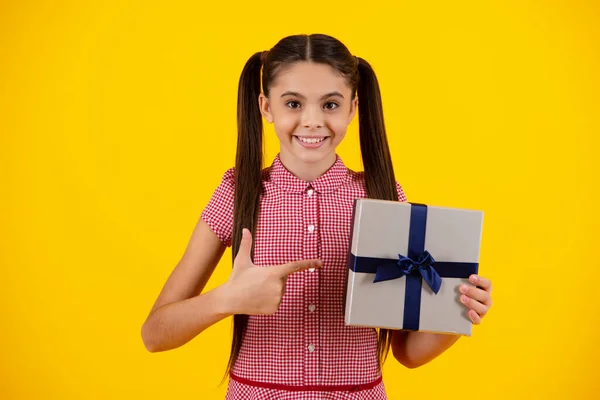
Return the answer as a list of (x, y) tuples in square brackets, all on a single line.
[(413, 349), (175, 324)]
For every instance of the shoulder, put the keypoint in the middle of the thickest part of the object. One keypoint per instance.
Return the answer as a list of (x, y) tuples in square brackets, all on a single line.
[(356, 179), (225, 190), (228, 177), (401, 194)]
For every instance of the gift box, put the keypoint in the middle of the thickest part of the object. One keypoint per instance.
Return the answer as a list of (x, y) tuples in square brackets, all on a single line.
[(406, 263)]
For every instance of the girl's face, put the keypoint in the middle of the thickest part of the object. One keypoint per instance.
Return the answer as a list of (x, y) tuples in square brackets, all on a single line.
[(311, 106)]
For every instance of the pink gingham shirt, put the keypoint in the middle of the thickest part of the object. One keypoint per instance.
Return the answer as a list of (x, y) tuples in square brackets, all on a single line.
[(304, 350)]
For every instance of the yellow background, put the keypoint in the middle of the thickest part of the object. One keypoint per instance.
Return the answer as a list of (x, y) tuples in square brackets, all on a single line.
[(117, 120)]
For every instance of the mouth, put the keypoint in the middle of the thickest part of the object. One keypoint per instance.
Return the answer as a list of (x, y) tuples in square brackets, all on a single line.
[(311, 141)]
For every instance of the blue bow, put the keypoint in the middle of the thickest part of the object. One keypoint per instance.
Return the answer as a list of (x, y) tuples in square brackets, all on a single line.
[(406, 266)]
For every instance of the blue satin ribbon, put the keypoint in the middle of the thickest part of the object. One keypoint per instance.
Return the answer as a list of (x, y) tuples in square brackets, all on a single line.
[(406, 266), (417, 265)]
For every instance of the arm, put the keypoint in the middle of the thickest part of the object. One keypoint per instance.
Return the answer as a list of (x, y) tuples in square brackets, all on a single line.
[(413, 349), (180, 313)]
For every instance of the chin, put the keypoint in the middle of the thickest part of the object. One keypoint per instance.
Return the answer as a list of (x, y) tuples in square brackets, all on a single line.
[(313, 156)]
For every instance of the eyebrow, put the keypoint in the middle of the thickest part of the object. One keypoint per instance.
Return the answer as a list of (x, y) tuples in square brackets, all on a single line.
[(331, 94)]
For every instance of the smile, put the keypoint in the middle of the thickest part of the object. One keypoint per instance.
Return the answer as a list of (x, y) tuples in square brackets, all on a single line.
[(311, 140)]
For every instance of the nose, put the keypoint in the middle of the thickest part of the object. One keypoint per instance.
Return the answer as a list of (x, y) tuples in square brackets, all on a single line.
[(312, 118)]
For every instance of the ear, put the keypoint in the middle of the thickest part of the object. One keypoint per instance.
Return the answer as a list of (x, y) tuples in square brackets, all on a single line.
[(265, 107), (353, 108)]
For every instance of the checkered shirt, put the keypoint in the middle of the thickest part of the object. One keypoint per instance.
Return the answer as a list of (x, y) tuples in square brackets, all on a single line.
[(304, 350)]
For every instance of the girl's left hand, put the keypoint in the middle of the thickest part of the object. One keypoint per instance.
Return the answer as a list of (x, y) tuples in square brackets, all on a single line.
[(478, 299)]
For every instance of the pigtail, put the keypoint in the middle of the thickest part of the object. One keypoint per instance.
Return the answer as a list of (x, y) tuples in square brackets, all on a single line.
[(248, 172), (380, 181), (377, 161)]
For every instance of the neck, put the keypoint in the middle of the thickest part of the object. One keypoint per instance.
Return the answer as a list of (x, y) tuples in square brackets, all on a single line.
[(307, 171)]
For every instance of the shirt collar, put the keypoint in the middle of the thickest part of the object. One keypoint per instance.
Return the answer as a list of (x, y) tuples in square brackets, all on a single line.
[(332, 179)]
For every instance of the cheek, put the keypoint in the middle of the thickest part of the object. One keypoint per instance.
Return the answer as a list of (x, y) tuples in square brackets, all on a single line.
[(338, 127), (284, 124), (338, 137)]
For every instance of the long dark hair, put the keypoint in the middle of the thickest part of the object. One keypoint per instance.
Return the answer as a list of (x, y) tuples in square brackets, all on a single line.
[(378, 170)]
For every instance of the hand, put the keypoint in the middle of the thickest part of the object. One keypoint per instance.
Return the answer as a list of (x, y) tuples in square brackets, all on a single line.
[(258, 290), (478, 299)]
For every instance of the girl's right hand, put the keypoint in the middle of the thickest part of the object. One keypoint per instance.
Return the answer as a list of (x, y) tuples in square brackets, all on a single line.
[(258, 290)]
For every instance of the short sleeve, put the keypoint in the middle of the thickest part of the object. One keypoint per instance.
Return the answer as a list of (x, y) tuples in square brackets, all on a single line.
[(218, 213), (401, 195)]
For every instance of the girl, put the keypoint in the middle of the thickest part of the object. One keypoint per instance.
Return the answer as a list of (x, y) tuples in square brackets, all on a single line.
[(293, 220)]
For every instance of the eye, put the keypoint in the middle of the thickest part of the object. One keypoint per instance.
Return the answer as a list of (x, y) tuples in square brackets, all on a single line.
[(293, 104), (331, 105)]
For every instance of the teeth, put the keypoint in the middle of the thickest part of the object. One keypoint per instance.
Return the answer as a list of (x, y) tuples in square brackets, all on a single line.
[(311, 140)]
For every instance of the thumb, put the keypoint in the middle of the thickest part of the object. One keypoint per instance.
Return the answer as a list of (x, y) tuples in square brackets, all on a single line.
[(297, 266), (243, 255)]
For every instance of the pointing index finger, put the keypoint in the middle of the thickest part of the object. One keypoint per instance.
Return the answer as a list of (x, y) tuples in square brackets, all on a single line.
[(297, 266)]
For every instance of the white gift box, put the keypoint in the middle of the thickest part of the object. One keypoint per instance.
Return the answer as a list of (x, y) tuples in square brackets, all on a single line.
[(397, 250)]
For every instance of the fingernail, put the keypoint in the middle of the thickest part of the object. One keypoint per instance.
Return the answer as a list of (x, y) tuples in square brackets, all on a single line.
[(463, 288), (464, 299), (474, 278), (474, 317)]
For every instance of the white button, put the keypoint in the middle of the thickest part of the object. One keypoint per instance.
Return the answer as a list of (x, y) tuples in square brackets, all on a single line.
[(310, 192), (311, 308), (311, 228), (311, 348), (311, 270)]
